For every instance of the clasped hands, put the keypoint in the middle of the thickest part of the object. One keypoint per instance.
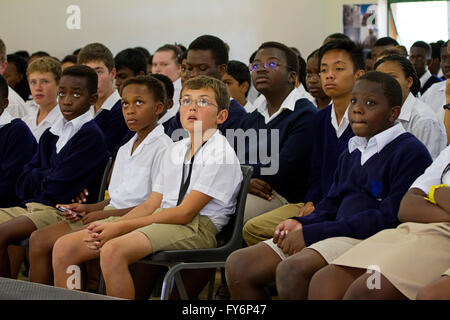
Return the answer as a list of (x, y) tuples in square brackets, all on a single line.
[(289, 236)]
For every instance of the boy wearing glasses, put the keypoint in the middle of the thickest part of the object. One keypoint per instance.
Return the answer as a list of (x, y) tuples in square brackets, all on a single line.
[(283, 125), (191, 201)]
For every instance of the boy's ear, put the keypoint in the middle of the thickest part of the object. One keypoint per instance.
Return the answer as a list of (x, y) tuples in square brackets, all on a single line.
[(395, 112), (244, 87), (169, 103), (5, 103), (3, 66), (222, 70), (359, 73), (292, 77), (159, 108), (222, 116), (113, 73), (409, 82), (93, 98)]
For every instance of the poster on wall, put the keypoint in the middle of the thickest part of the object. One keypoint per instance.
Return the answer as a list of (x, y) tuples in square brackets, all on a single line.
[(360, 23)]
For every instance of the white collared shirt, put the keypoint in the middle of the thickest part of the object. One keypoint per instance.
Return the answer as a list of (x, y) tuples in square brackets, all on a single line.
[(176, 102), (435, 98), (344, 121), (134, 174), (419, 119), (31, 119), (424, 78), (287, 104), (376, 143), (432, 175), (305, 94), (216, 172), (65, 130), (249, 107), (16, 106), (109, 102), (5, 118)]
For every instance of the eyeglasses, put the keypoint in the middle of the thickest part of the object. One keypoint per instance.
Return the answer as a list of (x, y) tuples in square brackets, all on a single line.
[(200, 102), (267, 65)]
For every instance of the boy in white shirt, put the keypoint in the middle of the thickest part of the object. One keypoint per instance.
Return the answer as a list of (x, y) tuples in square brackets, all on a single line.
[(43, 77), (135, 170), (181, 213)]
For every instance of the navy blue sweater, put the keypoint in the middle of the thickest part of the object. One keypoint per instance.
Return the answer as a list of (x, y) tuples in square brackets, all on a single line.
[(113, 126), (364, 200), (235, 114), (17, 147), (433, 79), (52, 178), (295, 146), (327, 148)]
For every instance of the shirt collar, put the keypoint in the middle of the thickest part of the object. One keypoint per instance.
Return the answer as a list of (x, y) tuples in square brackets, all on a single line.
[(344, 121), (111, 101), (424, 78), (58, 127), (405, 111), (288, 103), (380, 140), (152, 136), (5, 118)]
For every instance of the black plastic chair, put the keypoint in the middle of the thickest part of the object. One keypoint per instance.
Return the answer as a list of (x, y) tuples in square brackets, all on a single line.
[(228, 240), (104, 181)]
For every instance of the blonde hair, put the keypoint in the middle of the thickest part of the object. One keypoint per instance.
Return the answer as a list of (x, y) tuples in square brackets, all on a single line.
[(46, 64), (219, 88)]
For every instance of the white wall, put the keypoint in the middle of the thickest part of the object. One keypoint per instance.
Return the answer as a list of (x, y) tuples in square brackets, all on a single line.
[(244, 24)]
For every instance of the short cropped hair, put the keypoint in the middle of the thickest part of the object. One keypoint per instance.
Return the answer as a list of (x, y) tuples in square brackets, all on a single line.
[(46, 64), (3, 87), (291, 56), (177, 52), (20, 62), (96, 52), (70, 58), (82, 71), (131, 58), (423, 45), (385, 41), (214, 44), (2, 51), (168, 84), (206, 82), (408, 70), (240, 72), (337, 36), (354, 50), (153, 85), (391, 87)]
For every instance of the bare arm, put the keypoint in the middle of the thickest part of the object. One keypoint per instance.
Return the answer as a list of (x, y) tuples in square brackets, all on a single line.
[(414, 208), (442, 198)]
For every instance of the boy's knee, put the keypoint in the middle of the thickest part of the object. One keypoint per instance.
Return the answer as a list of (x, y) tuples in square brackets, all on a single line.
[(38, 242), (236, 266), (62, 250), (110, 254)]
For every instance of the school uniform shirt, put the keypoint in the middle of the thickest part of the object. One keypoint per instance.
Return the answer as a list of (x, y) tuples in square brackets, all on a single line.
[(176, 102), (71, 156), (427, 80), (418, 118), (280, 149), (111, 121), (305, 94), (329, 141), (215, 172), (16, 106), (249, 107), (370, 181), (436, 173), (37, 130), (435, 98), (17, 147), (133, 174)]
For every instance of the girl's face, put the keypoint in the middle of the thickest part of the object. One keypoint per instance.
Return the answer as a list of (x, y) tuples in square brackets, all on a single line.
[(395, 70), (12, 76), (139, 107), (313, 83), (43, 88), (164, 62)]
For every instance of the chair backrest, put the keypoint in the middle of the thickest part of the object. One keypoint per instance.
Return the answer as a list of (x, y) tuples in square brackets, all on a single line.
[(231, 234), (104, 182)]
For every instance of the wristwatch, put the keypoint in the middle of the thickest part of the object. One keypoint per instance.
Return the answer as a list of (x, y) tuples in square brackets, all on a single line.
[(430, 197), (446, 106)]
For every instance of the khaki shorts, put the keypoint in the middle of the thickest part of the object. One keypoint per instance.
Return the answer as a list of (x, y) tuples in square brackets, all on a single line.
[(200, 233), (329, 249), (40, 214)]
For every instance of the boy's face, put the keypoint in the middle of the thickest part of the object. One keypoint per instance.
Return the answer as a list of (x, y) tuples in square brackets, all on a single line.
[(122, 75), (235, 90), (73, 97), (12, 76), (201, 62), (43, 88), (139, 107), (105, 78), (393, 69), (164, 63), (418, 58), (209, 116), (369, 111), (337, 73), (313, 83), (445, 62), (268, 79)]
